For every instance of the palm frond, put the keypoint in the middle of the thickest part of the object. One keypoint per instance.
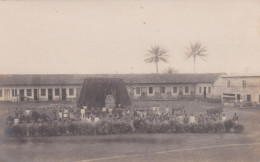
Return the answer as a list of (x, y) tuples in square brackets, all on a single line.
[(163, 59)]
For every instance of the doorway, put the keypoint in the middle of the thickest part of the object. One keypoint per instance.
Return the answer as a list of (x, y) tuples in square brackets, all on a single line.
[(63, 94), (35, 94), (205, 92), (50, 95), (21, 93)]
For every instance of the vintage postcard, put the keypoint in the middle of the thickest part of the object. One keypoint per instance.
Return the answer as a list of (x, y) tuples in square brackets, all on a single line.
[(144, 81)]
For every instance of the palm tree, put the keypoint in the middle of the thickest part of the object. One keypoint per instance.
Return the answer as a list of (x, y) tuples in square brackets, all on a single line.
[(196, 50), (170, 70), (155, 55)]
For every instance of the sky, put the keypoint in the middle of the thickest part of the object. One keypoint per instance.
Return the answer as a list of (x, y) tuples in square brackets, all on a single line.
[(100, 37)]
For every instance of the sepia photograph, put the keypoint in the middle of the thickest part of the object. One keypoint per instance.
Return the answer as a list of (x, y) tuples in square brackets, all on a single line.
[(130, 81)]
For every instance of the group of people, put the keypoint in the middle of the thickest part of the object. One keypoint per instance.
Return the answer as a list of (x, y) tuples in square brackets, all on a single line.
[(94, 115)]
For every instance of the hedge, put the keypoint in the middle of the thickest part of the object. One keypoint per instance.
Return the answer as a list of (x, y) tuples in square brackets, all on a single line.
[(119, 127)]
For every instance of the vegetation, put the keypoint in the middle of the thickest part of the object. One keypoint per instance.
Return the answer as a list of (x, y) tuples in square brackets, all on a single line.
[(196, 50), (170, 70), (118, 127), (155, 55)]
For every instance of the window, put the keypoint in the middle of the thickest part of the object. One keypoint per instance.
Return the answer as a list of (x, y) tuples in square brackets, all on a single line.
[(43, 92), (150, 90), (186, 89), (249, 98), (1, 92), (238, 97), (259, 98), (71, 92), (209, 90), (243, 83), (175, 89), (138, 90), (29, 92), (199, 89), (14, 92), (228, 83), (163, 90), (57, 92)]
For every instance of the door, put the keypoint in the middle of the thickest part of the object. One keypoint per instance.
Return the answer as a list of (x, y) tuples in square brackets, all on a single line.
[(205, 92), (35, 94), (50, 94), (249, 98), (21, 93), (144, 92), (7, 94), (238, 97), (63, 94)]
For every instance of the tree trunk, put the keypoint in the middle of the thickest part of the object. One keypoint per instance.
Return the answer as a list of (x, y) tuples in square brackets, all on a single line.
[(157, 67), (194, 60)]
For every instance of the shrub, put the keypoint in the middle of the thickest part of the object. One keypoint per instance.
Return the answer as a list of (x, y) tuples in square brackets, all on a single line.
[(238, 128), (35, 116), (228, 124), (119, 127)]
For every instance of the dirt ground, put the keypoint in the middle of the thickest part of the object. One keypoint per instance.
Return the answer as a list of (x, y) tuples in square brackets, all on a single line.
[(141, 147)]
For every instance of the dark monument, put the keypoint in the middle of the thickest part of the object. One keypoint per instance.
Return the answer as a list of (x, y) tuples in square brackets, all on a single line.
[(103, 92)]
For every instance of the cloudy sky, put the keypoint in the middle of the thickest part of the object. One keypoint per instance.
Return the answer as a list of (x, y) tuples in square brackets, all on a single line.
[(49, 37)]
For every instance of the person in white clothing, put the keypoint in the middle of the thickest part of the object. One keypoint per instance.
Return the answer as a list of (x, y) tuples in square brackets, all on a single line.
[(82, 111), (60, 114), (88, 120), (96, 120), (27, 111), (167, 110), (192, 119), (223, 118)]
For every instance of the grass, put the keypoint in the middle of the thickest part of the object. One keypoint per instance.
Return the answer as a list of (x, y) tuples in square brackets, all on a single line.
[(74, 148)]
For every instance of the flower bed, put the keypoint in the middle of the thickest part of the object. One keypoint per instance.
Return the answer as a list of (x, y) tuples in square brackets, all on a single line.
[(119, 127)]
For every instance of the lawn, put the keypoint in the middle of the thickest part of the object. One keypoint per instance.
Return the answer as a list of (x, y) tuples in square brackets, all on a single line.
[(142, 147)]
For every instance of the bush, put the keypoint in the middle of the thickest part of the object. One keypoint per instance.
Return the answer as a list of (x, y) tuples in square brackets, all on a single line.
[(35, 116), (119, 127), (228, 124), (238, 128)]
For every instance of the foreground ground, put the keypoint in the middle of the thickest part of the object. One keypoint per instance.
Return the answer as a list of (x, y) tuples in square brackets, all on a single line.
[(141, 147)]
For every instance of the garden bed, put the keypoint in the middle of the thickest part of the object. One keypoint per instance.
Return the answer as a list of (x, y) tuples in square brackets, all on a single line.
[(119, 127)]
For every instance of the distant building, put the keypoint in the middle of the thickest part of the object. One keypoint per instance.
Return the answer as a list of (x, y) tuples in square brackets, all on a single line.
[(239, 88), (67, 87)]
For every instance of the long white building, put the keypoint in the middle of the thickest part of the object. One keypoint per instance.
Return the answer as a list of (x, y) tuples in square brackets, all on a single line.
[(58, 87)]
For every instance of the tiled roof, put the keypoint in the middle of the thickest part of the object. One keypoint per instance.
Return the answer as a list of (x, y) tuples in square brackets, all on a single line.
[(63, 79)]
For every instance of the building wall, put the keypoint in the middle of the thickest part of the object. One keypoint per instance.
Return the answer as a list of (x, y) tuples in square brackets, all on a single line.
[(207, 87), (235, 88), (160, 91), (8, 95)]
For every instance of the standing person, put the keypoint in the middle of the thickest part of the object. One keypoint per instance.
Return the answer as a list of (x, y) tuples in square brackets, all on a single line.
[(192, 119), (54, 113), (82, 112), (60, 115), (153, 108), (201, 120), (180, 119), (183, 110), (235, 118), (223, 118), (186, 119), (65, 113), (167, 110), (110, 112), (27, 112)]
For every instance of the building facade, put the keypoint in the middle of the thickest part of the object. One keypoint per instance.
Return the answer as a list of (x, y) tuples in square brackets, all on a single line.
[(19, 88), (239, 88)]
